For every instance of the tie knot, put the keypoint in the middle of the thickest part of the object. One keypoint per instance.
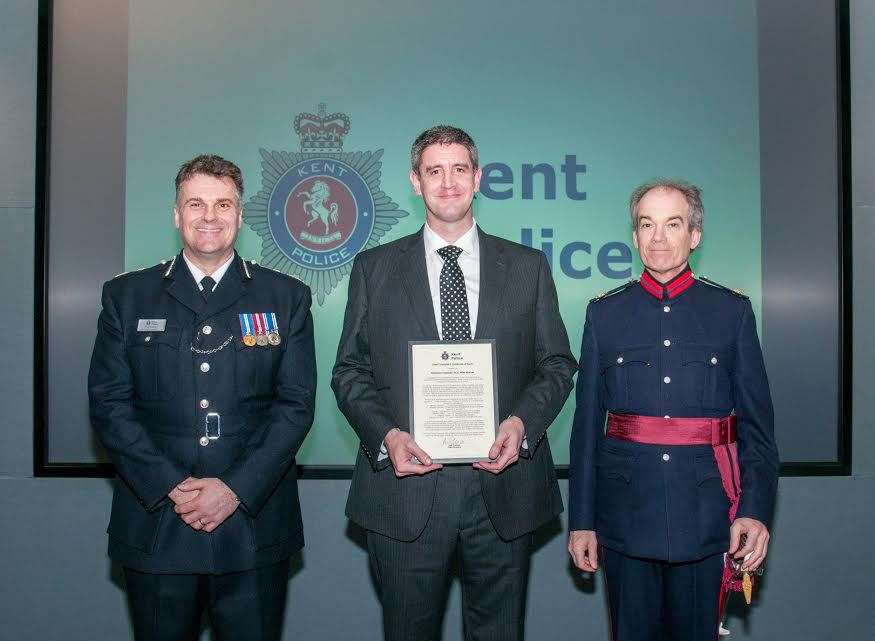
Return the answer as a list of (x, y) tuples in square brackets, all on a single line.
[(450, 252), (207, 283)]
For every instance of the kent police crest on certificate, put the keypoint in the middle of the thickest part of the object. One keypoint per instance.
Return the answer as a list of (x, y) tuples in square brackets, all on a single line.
[(453, 399)]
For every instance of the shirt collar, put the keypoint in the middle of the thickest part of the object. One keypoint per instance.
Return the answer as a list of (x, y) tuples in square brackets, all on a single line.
[(199, 274), (468, 242), (672, 289)]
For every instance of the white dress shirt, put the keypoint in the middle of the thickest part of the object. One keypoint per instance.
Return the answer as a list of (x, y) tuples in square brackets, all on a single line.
[(199, 274), (469, 262)]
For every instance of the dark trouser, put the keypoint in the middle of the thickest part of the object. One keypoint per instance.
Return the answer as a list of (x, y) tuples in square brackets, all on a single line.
[(414, 577), (660, 601), (242, 606)]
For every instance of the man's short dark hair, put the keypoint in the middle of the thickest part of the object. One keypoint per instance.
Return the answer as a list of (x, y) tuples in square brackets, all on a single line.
[(442, 135), (211, 165)]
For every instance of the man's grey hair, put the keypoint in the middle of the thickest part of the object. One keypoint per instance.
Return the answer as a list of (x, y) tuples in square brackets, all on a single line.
[(442, 135), (691, 193), (214, 166)]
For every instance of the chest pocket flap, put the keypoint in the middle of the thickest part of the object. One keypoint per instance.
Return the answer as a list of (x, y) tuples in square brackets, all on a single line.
[(708, 377), (154, 359)]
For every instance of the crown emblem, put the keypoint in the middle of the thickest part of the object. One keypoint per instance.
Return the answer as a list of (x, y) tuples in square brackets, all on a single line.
[(321, 133)]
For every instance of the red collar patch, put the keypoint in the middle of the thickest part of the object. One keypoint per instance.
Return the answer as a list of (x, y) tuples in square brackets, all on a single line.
[(673, 288)]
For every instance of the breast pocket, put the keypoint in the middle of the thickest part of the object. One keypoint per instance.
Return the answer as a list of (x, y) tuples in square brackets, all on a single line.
[(707, 377), (626, 374), (256, 369), (154, 358)]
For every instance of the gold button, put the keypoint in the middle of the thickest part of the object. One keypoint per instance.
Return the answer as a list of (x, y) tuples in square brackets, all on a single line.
[(204, 441), (205, 367), (207, 330), (205, 403)]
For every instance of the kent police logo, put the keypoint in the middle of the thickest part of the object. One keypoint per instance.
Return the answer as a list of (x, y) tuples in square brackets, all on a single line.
[(318, 208)]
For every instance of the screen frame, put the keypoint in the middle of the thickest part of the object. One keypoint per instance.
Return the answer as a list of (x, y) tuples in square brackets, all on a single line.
[(43, 467)]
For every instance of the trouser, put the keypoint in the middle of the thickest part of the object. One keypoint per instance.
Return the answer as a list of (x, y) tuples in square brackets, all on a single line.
[(661, 601), (414, 577), (242, 606)]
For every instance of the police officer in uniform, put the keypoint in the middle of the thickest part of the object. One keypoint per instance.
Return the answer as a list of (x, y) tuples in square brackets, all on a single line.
[(686, 468), (201, 390)]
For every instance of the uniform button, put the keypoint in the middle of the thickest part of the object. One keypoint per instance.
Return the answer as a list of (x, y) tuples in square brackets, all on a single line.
[(147, 339), (713, 360), (619, 359), (205, 367), (204, 441), (667, 380), (205, 403), (666, 342), (666, 309), (666, 416), (665, 457), (207, 330)]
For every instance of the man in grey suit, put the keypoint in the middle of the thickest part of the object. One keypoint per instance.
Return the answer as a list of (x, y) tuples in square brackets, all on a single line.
[(419, 514)]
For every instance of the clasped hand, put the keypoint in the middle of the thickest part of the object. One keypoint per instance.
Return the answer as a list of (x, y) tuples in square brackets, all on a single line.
[(204, 504)]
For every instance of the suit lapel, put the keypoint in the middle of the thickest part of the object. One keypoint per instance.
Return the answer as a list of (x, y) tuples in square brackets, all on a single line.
[(414, 275), (179, 283), (493, 279), (231, 288)]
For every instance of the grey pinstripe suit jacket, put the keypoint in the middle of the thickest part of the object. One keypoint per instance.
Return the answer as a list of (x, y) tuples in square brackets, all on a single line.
[(389, 304)]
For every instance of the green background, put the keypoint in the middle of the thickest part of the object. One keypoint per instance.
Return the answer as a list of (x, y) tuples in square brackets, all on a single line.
[(633, 89)]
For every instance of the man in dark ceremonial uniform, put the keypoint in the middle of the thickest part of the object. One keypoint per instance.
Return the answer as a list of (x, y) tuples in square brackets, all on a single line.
[(686, 469), (202, 388)]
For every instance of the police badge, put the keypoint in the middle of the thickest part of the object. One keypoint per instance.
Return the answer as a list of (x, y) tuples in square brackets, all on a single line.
[(318, 208)]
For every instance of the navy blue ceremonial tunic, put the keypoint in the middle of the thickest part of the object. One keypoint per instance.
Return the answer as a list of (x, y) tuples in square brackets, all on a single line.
[(684, 349)]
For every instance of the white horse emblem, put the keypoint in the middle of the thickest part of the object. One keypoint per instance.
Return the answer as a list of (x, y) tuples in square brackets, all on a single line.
[(315, 204)]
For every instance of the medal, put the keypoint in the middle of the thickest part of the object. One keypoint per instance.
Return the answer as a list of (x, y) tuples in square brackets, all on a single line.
[(260, 330), (261, 339), (246, 329), (273, 335)]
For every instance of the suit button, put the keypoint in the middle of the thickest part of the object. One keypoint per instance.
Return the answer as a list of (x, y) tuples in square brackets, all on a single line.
[(205, 367), (205, 403), (666, 416), (207, 330), (147, 339), (666, 457), (619, 360), (666, 342), (713, 360), (204, 441), (666, 309), (667, 380)]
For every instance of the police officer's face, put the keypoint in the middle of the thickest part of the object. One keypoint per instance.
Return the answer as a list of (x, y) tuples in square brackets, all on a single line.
[(663, 237), (447, 181), (208, 216)]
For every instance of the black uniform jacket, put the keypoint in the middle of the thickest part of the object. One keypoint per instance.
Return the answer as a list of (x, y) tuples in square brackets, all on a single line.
[(689, 349), (390, 304), (152, 394)]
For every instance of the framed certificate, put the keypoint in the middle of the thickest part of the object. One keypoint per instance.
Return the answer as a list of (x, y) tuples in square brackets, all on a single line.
[(453, 399)]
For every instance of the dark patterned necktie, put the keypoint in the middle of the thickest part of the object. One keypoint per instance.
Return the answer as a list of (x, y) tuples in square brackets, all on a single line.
[(455, 321), (208, 284)]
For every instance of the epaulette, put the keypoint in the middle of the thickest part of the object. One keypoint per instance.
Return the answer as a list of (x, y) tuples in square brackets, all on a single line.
[(616, 290), (735, 292), (140, 269), (273, 269)]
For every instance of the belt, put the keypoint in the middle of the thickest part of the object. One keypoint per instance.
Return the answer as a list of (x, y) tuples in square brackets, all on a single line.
[(654, 430), (720, 433)]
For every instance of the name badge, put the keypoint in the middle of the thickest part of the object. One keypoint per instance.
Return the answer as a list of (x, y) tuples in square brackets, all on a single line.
[(151, 324)]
